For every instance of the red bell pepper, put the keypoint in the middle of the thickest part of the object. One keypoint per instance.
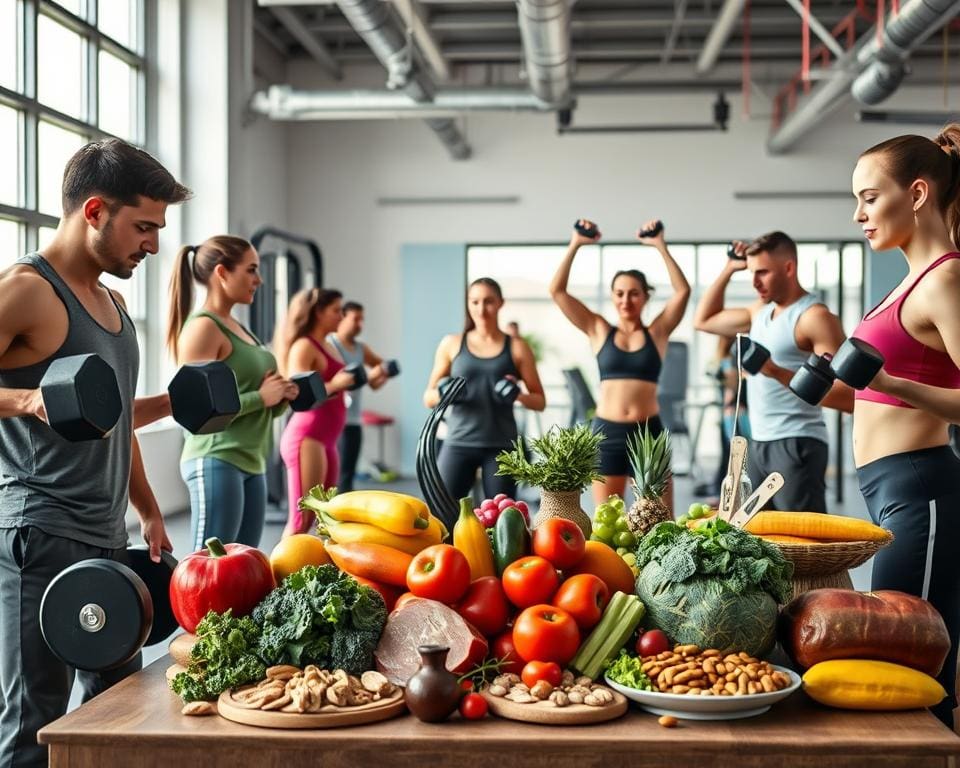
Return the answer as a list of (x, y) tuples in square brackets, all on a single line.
[(219, 577)]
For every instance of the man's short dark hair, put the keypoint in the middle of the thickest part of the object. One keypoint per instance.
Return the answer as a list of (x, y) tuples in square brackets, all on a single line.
[(120, 173), (775, 243), (352, 306)]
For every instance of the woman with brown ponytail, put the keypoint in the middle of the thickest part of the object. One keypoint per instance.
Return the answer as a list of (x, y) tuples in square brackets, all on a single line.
[(225, 471), (908, 198), (309, 442)]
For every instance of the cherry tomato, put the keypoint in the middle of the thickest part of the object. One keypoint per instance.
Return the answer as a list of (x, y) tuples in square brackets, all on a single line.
[(535, 671), (473, 707), (652, 642)]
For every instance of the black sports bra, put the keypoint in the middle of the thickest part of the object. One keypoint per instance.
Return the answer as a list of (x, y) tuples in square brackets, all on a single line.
[(643, 364)]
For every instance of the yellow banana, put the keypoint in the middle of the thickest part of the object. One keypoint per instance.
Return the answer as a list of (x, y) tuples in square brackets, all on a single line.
[(348, 533), (394, 512)]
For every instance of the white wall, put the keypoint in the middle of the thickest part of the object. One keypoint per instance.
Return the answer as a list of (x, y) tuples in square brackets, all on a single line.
[(338, 170)]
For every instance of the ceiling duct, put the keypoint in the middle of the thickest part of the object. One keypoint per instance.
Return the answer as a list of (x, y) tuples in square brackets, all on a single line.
[(545, 30), (884, 59), (374, 22)]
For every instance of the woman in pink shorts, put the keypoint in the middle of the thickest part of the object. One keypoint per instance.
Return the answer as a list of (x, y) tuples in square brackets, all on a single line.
[(309, 442)]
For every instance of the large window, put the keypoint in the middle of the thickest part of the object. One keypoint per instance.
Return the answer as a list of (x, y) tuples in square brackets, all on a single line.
[(71, 72), (833, 270)]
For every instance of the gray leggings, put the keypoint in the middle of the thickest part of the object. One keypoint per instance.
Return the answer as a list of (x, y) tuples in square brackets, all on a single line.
[(225, 502), (35, 684)]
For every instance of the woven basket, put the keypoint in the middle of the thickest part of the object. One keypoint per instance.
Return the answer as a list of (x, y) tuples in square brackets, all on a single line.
[(565, 504), (821, 566)]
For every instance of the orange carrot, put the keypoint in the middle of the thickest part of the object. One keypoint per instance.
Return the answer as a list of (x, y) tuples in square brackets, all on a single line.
[(376, 562)]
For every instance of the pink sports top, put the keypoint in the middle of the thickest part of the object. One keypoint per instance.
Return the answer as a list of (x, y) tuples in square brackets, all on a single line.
[(905, 357)]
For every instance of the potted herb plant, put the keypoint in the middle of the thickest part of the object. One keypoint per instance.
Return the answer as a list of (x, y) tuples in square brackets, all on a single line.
[(565, 462)]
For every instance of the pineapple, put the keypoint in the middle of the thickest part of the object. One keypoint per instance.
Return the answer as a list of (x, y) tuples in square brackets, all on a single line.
[(650, 459)]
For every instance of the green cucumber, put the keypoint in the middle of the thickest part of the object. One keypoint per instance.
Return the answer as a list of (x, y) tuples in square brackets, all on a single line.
[(511, 539)]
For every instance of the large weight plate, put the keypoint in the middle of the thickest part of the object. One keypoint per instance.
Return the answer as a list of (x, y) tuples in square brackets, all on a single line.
[(156, 577), (96, 614)]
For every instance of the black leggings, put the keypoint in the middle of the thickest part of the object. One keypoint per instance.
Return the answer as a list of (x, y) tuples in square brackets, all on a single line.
[(614, 460), (916, 496), (350, 441), (458, 466)]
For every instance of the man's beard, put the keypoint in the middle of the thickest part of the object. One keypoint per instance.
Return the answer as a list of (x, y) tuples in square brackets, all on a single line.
[(106, 255)]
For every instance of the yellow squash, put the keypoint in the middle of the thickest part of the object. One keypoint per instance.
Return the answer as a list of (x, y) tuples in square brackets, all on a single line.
[(470, 537), (397, 513), (814, 525), (876, 685), (361, 533), (782, 538)]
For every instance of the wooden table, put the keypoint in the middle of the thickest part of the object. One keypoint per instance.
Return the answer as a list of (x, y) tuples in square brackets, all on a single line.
[(137, 724)]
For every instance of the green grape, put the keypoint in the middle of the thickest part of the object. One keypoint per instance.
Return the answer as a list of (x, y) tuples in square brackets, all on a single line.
[(604, 531), (594, 537), (606, 514), (621, 524), (697, 511), (683, 520), (630, 559), (622, 550), (625, 539)]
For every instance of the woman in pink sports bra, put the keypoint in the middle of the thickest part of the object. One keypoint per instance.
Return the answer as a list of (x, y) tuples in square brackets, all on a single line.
[(309, 442), (908, 197)]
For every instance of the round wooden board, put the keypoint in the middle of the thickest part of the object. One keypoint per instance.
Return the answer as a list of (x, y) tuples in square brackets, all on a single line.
[(173, 670), (329, 717), (181, 646), (545, 713)]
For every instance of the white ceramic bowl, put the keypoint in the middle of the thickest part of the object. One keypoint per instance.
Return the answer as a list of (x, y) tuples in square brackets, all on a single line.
[(687, 707)]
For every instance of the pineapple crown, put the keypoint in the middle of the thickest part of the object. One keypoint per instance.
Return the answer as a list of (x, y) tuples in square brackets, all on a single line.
[(650, 458)]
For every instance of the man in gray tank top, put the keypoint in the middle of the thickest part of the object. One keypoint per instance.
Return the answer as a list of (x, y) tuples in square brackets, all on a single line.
[(788, 435), (354, 351), (62, 502)]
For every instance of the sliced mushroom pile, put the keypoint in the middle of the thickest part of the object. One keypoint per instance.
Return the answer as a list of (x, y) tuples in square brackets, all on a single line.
[(572, 690), (289, 689)]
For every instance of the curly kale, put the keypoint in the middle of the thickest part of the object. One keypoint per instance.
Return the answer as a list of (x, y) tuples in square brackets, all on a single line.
[(715, 548), (321, 616), (223, 657)]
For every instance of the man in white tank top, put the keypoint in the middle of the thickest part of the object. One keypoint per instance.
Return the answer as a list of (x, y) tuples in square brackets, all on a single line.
[(789, 435)]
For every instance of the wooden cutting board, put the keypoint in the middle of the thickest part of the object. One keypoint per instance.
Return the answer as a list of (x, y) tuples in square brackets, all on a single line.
[(181, 646), (545, 713), (328, 717)]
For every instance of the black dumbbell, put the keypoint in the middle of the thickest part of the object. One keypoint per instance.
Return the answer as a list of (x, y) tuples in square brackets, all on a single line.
[(506, 391), (313, 391), (752, 355), (655, 230), (204, 397), (444, 383), (856, 363), (732, 253), (359, 375), (391, 368), (81, 397), (586, 231), (98, 613)]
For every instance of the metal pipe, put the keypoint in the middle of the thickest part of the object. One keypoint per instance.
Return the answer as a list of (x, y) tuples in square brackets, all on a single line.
[(545, 31), (719, 34)]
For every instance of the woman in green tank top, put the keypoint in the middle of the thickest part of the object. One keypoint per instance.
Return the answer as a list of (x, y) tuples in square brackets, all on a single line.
[(226, 471)]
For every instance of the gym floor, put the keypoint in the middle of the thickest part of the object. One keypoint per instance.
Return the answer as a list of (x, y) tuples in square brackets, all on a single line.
[(178, 528)]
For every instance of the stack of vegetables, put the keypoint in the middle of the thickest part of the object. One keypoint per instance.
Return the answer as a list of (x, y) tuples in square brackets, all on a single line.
[(226, 595), (713, 586), (875, 650), (521, 597)]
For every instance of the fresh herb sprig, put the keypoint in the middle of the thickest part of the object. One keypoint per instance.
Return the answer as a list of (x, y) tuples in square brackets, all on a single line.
[(567, 459)]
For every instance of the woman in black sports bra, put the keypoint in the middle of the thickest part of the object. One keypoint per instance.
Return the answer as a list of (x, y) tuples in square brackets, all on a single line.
[(629, 354), (480, 424)]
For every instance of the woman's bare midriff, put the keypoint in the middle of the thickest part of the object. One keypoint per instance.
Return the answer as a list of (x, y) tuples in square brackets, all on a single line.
[(627, 400), (884, 430)]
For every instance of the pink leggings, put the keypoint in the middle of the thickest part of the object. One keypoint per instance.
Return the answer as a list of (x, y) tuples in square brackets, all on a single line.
[(305, 424)]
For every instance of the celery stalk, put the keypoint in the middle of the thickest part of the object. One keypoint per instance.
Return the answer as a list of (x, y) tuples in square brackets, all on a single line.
[(622, 617)]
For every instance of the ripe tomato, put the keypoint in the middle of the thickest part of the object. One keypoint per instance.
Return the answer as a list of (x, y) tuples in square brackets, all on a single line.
[(530, 580), (546, 633), (559, 541), (504, 650), (652, 642), (485, 605), (473, 707), (535, 671), (440, 572), (584, 597)]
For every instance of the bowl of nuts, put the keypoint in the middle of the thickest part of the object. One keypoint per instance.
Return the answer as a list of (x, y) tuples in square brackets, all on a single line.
[(709, 685)]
